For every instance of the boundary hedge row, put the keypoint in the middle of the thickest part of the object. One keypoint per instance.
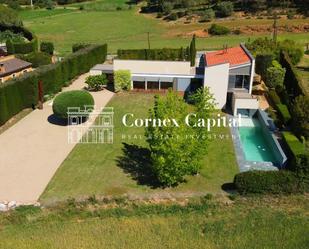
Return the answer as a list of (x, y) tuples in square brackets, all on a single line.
[(292, 80), (20, 47), (294, 146), (262, 182), (172, 54), (22, 92), (284, 113)]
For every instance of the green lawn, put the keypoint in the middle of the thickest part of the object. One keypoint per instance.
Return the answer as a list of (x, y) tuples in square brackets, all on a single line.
[(128, 29), (106, 169), (303, 69), (247, 223)]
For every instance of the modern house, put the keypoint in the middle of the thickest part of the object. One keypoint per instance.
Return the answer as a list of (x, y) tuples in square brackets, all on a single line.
[(11, 67), (228, 73)]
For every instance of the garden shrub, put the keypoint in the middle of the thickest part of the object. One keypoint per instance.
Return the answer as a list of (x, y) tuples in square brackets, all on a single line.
[(216, 29), (75, 98), (47, 47), (284, 113), (172, 17), (96, 82), (37, 59), (264, 182), (275, 75), (262, 62), (294, 146), (122, 80), (22, 92), (294, 51), (301, 168)]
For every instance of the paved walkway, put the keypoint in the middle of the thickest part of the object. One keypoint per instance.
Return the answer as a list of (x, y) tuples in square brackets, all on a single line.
[(32, 150)]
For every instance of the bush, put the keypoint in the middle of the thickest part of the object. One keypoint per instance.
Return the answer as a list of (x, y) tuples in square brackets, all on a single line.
[(225, 9), (172, 17), (167, 7), (122, 80), (295, 51), (22, 92), (47, 47), (37, 59), (208, 15), (262, 62), (75, 98), (96, 82), (216, 29), (284, 113), (275, 75), (294, 146), (264, 182)]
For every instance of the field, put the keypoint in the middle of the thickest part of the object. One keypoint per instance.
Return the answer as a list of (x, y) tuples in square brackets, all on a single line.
[(119, 168), (126, 28), (251, 223)]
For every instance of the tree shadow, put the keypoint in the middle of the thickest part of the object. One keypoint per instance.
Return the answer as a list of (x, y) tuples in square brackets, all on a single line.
[(136, 161), (53, 119), (229, 187)]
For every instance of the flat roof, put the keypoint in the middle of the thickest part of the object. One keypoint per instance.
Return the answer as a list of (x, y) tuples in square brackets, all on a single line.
[(174, 68), (234, 56), (103, 67)]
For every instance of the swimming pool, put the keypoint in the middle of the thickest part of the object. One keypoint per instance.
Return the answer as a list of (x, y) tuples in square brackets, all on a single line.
[(255, 144)]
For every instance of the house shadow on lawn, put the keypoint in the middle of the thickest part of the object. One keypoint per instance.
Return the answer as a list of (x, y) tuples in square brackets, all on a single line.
[(136, 161)]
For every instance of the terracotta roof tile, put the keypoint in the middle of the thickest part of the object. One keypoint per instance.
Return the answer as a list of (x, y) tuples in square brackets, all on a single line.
[(234, 56)]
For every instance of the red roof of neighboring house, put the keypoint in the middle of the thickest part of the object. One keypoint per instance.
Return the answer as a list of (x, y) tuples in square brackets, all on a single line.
[(234, 56)]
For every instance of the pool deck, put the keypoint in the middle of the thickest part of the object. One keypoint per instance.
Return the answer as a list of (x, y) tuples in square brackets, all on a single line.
[(243, 164)]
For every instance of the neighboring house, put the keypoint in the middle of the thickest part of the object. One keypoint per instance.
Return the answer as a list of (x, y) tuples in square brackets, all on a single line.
[(11, 67), (228, 73)]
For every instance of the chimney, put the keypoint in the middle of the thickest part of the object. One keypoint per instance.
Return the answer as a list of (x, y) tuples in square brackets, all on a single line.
[(2, 68)]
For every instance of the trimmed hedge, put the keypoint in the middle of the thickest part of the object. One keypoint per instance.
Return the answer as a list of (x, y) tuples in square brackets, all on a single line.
[(292, 80), (284, 113), (20, 47), (75, 98), (272, 94), (294, 146), (47, 47), (262, 182), (172, 54), (79, 46), (37, 59), (22, 92)]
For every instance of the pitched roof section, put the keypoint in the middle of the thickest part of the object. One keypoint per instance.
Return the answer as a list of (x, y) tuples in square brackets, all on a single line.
[(234, 56), (13, 65)]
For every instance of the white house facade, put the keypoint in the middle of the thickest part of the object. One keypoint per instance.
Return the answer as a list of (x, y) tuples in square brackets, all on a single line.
[(228, 73)]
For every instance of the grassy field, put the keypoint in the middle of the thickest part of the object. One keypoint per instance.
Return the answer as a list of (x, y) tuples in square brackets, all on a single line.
[(128, 29), (248, 223), (303, 69), (118, 168)]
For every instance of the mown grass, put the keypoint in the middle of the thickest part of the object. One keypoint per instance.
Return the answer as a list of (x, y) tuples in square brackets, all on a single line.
[(121, 168), (247, 223), (102, 5), (128, 29)]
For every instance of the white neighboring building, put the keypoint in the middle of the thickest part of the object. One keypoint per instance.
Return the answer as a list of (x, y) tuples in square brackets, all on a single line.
[(228, 73)]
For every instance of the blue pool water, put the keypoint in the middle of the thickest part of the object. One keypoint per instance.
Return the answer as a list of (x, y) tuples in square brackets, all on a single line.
[(254, 143)]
